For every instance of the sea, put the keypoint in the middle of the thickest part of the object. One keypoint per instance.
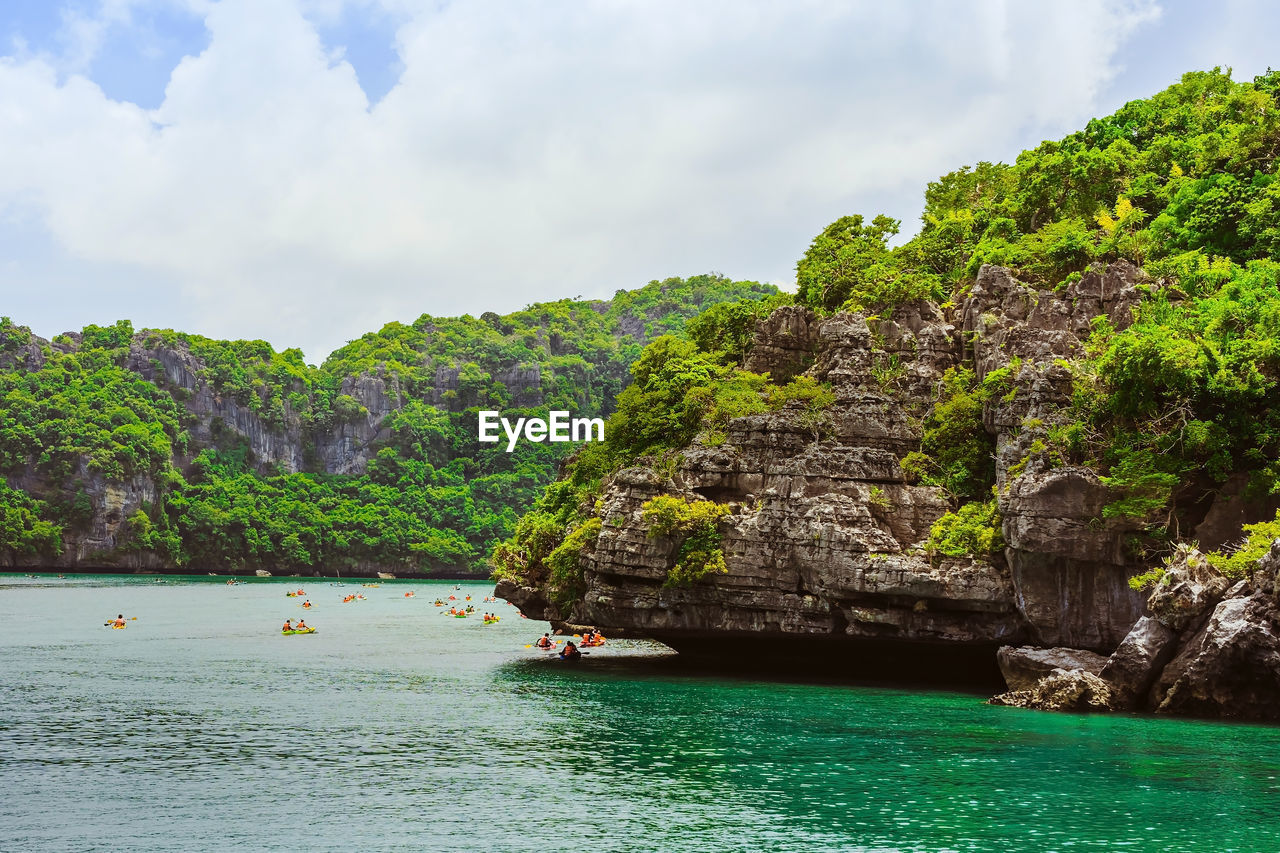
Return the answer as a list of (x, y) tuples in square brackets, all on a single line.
[(396, 727)]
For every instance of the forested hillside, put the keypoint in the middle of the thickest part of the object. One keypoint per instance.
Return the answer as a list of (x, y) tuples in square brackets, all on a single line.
[(158, 448), (1171, 407)]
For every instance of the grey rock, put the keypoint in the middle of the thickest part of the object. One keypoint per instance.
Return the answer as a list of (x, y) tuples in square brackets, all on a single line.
[(1023, 667), (784, 343), (1230, 667), (1140, 658), (1067, 690), (1188, 589)]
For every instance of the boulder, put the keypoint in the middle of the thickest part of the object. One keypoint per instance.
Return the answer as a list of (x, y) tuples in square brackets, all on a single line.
[(1070, 690), (1023, 667), (1188, 589), (1133, 667)]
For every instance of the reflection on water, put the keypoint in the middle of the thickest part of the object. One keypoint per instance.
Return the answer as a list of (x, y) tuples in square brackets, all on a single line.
[(199, 726)]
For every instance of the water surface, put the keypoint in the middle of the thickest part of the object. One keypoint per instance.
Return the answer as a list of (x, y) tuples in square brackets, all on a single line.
[(394, 727)]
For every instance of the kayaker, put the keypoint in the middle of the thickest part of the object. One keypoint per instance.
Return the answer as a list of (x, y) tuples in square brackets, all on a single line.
[(288, 625), (544, 642), (119, 623), (302, 625), (570, 651), (307, 604)]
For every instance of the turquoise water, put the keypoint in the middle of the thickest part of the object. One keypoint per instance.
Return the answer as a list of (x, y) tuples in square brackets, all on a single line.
[(199, 727)]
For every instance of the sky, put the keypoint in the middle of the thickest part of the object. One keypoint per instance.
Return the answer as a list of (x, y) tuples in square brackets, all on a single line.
[(304, 171)]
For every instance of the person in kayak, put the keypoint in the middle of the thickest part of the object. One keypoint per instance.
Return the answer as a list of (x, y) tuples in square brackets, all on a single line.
[(301, 626), (288, 625), (570, 651), (544, 642), (119, 622)]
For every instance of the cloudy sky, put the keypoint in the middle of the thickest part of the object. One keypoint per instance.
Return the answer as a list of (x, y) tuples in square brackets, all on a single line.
[(307, 170)]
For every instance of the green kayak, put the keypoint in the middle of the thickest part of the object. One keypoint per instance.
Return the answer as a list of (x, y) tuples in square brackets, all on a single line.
[(304, 631)]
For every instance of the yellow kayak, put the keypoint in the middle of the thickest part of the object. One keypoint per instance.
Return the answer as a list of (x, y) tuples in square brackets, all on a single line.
[(306, 631)]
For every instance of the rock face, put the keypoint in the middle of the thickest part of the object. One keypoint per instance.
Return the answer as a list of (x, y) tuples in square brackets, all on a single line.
[(826, 536), (1206, 651), (104, 531), (1067, 560), (1134, 666)]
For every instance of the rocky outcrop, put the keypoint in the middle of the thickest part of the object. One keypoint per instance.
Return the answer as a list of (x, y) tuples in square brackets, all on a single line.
[(1134, 666), (827, 537), (785, 343), (1206, 650), (1067, 558), (1064, 690), (1230, 667), (176, 369), (1023, 667)]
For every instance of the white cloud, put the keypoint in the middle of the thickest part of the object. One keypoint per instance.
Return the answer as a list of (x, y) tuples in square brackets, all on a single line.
[(530, 150)]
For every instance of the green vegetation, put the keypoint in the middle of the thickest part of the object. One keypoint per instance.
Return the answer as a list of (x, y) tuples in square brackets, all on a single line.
[(694, 525), (1242, 560), (956, 454), (972, 530), (82, 412), (433, 497), (565, 562), (23, 530)]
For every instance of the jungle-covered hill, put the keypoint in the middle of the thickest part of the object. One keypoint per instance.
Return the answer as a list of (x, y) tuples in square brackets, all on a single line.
[(161, 449)]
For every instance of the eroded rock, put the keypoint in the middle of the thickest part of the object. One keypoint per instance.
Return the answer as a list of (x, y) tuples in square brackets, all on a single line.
[(1230, 667), (1134, 666), (1023, 667), (1070, 690)]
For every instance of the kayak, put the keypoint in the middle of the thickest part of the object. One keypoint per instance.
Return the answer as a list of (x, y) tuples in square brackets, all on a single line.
[(306, 631), (118, 627)]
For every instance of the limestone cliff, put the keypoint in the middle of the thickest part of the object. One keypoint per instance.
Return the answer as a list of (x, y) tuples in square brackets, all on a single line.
[(825, 541)]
